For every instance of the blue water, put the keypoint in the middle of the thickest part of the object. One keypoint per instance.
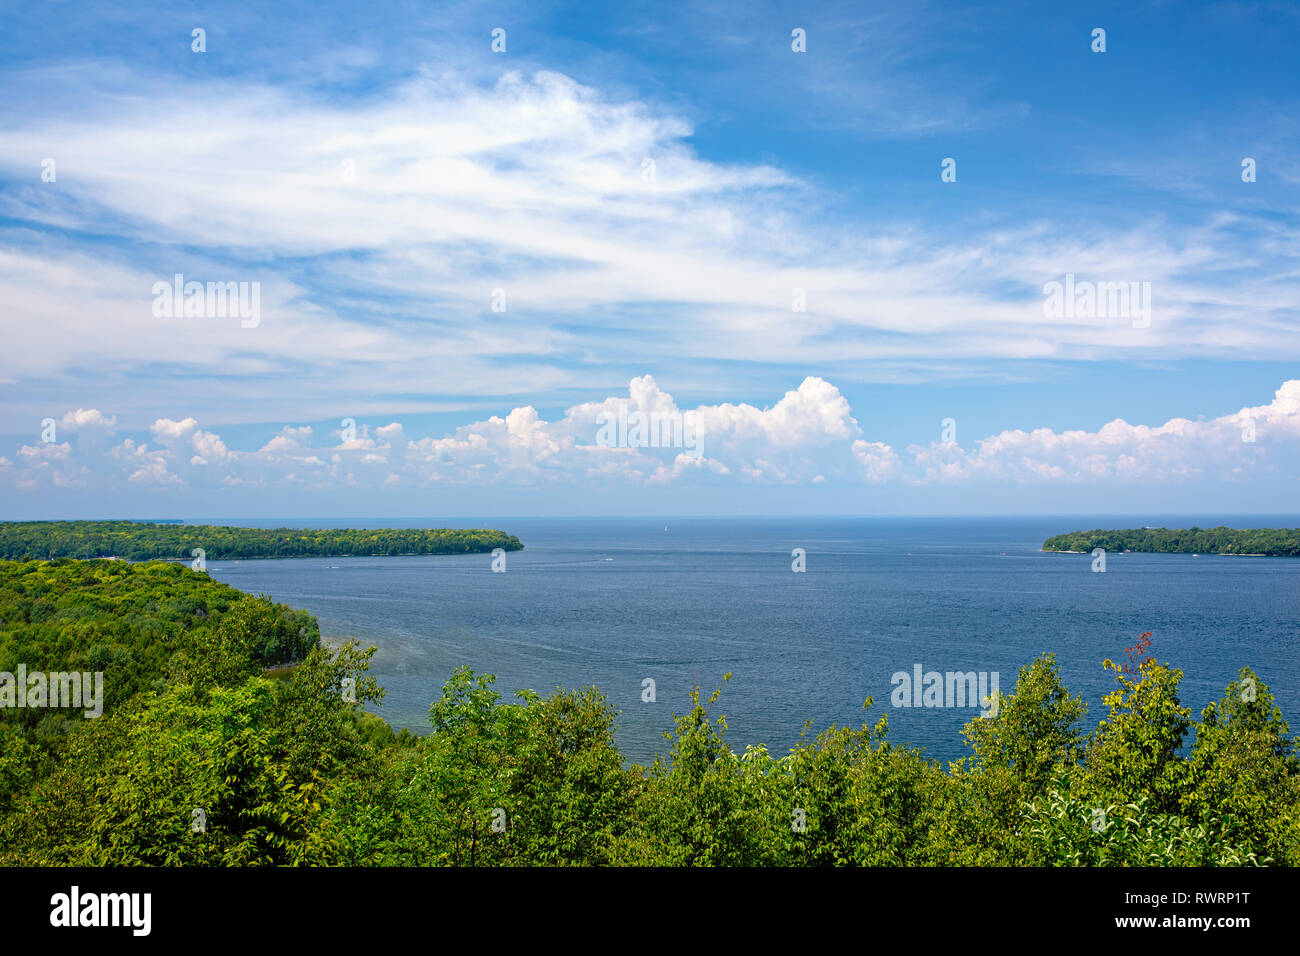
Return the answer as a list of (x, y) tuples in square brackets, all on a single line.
[(612, 602)]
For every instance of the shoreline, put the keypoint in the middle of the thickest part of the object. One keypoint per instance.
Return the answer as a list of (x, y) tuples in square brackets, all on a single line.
[(264, 557), (1195, 554)]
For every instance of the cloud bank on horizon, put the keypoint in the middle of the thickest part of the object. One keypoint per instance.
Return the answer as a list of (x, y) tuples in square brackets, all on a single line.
[(439, 231), (807, 436)]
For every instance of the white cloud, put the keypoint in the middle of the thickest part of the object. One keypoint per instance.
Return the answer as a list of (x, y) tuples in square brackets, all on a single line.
[(1178, 450), (84, 418), (208, 448), (879, 462), (289, 440), (808, 436), (171, 432), (534, 185)]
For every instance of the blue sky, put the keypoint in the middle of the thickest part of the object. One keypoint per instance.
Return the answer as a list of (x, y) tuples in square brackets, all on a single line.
[(650, 191)]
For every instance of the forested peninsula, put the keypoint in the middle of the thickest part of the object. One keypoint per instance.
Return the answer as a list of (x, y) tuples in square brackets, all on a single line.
[(1269, 542), (143, 541)]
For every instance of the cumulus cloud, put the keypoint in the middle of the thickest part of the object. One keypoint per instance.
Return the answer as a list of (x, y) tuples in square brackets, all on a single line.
[(289, 440), (1250, 441), (807, 436), (880, 463), (207, 447), (172, 433), (87, 418), (50, 463)]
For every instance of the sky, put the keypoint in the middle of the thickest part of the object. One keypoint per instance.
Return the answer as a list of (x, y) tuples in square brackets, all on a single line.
[(920, 258)]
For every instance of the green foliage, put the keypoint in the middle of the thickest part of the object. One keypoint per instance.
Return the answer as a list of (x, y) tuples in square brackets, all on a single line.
[(138, 624), (697, 807), (1020, 747), (1282, 542), (1065, 831), (1134, 753), (1244, 769), (1033, 731), (140, 541), (125, 786), (296, 771), (537, 782)]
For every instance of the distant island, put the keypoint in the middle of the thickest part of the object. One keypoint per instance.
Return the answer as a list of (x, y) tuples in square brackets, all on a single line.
[(144, 541), (1264, 542)]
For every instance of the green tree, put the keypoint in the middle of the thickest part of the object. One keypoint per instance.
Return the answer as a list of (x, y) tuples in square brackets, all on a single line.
[(1243, 768), (1020, 747), (1134, 753)]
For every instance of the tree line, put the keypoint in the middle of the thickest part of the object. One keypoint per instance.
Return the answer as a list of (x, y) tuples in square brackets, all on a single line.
[(1277, 542), (141, 541)]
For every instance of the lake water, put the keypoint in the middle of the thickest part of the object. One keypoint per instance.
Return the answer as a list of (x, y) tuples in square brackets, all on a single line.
[(682, 601)]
